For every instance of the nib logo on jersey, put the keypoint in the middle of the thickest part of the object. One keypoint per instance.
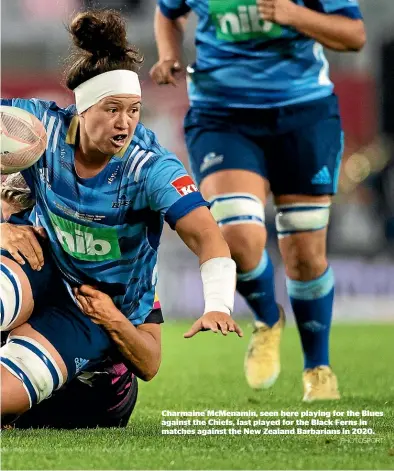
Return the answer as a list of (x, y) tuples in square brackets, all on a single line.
[(184, 185), (239, 20), (84, 242)]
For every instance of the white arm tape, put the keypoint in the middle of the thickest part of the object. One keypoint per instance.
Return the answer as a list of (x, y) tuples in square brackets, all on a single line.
[(219, 280)]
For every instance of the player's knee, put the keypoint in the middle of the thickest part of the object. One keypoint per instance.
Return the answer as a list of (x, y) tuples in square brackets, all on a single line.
[(14, 400), (16, 295), (302, 242), (246, 245), (10, 297), (304, 260), (241, 219), (33, 365)]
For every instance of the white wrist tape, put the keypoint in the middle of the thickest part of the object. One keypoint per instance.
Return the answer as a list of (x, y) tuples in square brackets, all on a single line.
[(219, 279)]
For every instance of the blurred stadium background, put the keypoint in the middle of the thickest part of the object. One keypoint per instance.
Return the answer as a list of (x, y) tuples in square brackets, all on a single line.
[(361, 237)]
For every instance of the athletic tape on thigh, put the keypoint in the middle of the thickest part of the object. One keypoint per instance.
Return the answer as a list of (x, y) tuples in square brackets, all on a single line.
[(10, 297), (237, 208), (301, 217), (29, 361)]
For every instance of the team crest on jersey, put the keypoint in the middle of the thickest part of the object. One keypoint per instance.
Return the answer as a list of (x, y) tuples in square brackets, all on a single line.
[(211, 159), (184, 185), (121, 201)]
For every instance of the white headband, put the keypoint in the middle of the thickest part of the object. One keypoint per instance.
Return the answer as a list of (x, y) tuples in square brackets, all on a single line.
[(116, 82)]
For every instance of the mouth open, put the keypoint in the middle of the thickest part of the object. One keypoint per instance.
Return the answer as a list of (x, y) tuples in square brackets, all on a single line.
[(119, 140)]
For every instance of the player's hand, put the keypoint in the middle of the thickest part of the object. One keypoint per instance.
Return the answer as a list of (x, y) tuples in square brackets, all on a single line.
[(165, 72), (22, 241), (278, 11), (215, 321), (94, 303)]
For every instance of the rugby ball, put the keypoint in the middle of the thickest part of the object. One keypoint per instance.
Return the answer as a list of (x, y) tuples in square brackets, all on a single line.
[(23, 139)]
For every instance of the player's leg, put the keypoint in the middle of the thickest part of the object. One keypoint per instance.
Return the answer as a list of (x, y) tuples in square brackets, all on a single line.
[(230, 169), (16, 295), (105, 397), (113, 395), (31, 369), (67, 341), (21, 288), (310, 158)]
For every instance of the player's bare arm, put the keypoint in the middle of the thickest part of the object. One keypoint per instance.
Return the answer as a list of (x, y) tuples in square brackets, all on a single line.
[(200, 233), (334, 31), (169, 37), (140, 346)]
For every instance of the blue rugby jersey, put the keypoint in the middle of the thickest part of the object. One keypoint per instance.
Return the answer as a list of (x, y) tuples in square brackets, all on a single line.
[(245, 62), (105, 230)]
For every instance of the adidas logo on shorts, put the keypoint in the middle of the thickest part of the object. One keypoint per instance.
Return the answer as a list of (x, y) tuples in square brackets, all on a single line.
[(80, 363), (322, 177)]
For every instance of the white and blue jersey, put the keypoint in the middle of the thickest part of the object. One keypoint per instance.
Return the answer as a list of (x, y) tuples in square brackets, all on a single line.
[(245, 62), (105, 230)]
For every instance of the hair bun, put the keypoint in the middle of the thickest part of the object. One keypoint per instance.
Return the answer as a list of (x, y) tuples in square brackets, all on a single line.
[(100, 32)]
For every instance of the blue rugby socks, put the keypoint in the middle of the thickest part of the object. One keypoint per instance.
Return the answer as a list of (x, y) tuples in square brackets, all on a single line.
[(258, 289), (312, 303)]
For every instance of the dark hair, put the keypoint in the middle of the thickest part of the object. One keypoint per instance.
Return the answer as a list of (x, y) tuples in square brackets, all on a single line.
[(100, 36)]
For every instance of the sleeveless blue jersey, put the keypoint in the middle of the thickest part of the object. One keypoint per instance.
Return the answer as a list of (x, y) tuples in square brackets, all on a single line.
[(105, 230), (245, 62)]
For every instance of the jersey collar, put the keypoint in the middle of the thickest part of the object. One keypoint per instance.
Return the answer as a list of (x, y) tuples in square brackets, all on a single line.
[(71, 137)]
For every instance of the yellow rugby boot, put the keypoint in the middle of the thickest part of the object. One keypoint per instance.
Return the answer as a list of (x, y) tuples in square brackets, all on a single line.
[(262, 360), (320, 384)]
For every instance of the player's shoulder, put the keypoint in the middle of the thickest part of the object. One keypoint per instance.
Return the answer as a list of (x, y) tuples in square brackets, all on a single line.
[(40, 107), (146, 155), (58, 123), (51, 108), (56, 119), (147, 140)]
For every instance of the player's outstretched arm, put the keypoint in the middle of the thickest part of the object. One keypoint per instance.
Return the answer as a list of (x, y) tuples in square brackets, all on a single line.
[(169, 37), (335, 31), (140, 346), (202, 235)]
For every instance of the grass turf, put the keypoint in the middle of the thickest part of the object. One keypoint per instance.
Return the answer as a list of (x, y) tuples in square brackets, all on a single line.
[(206, 372)]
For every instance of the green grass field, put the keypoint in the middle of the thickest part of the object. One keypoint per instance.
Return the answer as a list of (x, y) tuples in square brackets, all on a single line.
[(206, 372)]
